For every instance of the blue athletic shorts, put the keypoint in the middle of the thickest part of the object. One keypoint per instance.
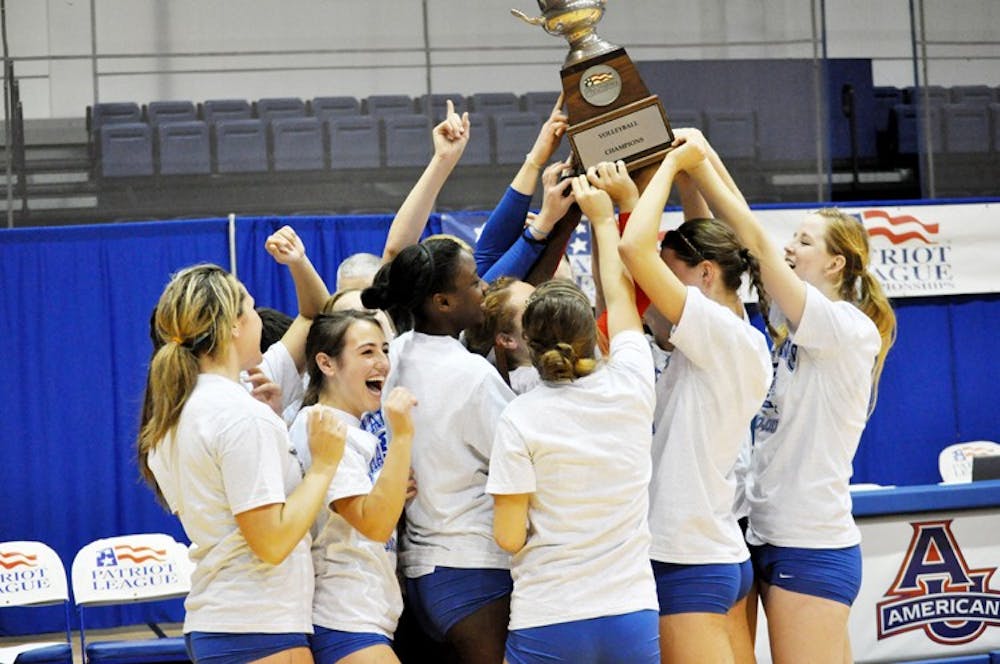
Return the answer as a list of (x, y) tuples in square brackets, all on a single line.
[(631, 638), (442, 598), (223, 648), (696, 588), (829, 573), (331, 645), (746, 579)]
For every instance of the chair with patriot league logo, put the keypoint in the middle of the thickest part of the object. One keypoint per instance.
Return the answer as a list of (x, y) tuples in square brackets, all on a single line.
[(128, 569), (33, 576), (955, 461)]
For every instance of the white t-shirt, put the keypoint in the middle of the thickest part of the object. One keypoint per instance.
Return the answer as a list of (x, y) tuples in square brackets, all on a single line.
[(278, 365), (706, 398), (524, 379), (356, 585), (581, 449), (809, 428), (459, 398), (230, 454)]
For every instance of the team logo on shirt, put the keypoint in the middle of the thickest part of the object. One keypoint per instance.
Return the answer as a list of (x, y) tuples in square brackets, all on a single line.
[(937, 591), (906, 253)]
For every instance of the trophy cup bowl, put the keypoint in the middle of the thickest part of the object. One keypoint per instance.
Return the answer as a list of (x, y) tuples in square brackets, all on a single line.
[(575, 20)]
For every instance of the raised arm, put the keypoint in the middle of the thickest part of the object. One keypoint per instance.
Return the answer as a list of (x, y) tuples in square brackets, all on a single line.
[(450, 138), (376, 513), (784, 287), (272, 531), (616, 284)]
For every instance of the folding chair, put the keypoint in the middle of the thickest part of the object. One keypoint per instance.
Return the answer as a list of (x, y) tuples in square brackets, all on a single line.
[(955, 461), (128, 569), (34, 576)]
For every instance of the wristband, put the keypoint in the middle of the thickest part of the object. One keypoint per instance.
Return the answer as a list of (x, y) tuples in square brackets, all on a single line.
[(529, 160), (531, 238)]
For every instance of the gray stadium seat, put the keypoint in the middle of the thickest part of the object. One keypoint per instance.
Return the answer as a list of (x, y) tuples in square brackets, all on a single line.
[(354, 142), (966, 128), (170, 111), (685, 117), (240, 146), (539, 103), (995, 128), (479, 150), (126, 150), (434, 105), (270, 108), (905, 131), (325, 108), (183, 148), (496, 102), (935, 94), (733, 133), (513, 134), (113, 113), (407, 140), (388, 105), (886, 96), (214, 110), (297, 144), (972, 94)]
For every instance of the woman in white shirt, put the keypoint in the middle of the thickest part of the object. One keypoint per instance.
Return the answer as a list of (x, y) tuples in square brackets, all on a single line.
[(715, 382), (357, 599), (221, 461), (570, 470), (836, 328), (458, 579)]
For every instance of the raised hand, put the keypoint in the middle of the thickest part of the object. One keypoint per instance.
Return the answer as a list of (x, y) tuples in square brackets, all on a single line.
[(285, 246), (614, 179), (264, 390), (451, 135), (549, 135), (556, 199), (327, 436), (594, 202)]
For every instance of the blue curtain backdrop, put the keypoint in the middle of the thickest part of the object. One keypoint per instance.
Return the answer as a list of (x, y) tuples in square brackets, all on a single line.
[(74, 311)]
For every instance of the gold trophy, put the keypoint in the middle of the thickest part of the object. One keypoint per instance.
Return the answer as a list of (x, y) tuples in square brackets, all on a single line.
[(611, 112)]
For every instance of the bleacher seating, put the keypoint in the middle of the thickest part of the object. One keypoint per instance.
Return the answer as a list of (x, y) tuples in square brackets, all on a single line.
[(904, 128), (214, 110), (434, 105), (733, 133), (994, 110), (972, 94), (965, 128), (407, 140), (325, 108), (934, 94), (496, 102), (513, 135), (112, 113), (354, 142), (183, 148), (479, 150), (126, 150), (539, 103), (297, 144), (240, 146), (388, 105), (685, 117), (271, 108), (158, 112)]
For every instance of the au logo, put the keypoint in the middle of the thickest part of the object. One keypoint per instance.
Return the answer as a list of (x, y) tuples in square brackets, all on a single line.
[(938, 592)]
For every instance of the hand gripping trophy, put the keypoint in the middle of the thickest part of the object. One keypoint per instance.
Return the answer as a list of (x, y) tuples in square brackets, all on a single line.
[(611, 111)]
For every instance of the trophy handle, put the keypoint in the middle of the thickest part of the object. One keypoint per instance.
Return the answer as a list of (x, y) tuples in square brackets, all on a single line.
[(537, 20)]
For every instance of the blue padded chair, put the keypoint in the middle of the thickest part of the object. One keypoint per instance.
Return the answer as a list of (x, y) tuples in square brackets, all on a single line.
[(158, 112), (126, 150), (354, 142), (408, 140), (539, 103), (513, 135), (904, 128), (214, 110), (297, 144), (492, 103), (271, 108), (479, 149), (685, 117), (240, 146), (886, 96), (184, 148), (107, 113), (159, 567), (934, 94), (29, 561), (388, 105), (733, 133), (325, 108), (435, 105), (965, 128), (971, 94)]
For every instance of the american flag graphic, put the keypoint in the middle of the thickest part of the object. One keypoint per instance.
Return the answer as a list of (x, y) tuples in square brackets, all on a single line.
[(12, 559), (597, 79), (110, 556), (898, 229)]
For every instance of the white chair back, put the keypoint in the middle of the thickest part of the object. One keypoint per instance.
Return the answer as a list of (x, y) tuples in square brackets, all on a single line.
[(955, 461), (131, 568), (33, 575)]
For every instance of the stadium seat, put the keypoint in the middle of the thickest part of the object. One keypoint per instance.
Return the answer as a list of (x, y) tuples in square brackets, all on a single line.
[(496, 102), (271, 108), (297, 144), (407, 140), (513, 135), (158, 568), (965, 128), (240, 146), (935, 94), (904, 129), (183, 148), (539, 103), (994, 110), (325, 108), (388, 105), (886, 96), (29, 560), (126, 150), (170, 111), (214, 110), (107, 113), (733, 133), (479, 150), (354, 142), (434, 105), (685, 117), (971, 94)]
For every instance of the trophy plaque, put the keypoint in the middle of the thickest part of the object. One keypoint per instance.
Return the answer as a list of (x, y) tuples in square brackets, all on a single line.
[(611, 112)]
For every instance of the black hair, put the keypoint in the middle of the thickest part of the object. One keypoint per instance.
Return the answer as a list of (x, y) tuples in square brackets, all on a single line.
[(275, 324)]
